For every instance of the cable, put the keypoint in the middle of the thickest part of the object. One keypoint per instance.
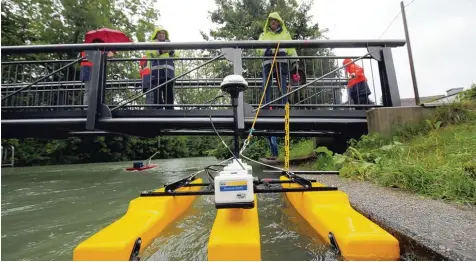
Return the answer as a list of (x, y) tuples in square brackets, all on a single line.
[(200, 171), (390, 24), (410, 3), (223, 142), (261, 163)]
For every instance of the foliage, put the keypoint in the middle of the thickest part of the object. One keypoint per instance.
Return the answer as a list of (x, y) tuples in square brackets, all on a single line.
[(469, 94), (64, 22), (433, 158), (298, 149), (30, 152)]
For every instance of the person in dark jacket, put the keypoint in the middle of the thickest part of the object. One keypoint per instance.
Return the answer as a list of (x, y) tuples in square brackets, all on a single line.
[(160, 71)]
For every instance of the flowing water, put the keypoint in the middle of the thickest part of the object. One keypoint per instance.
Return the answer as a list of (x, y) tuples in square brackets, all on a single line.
[(47, 211)]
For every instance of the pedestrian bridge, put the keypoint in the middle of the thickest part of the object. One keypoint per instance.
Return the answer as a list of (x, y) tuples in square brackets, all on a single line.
[(42, 95)]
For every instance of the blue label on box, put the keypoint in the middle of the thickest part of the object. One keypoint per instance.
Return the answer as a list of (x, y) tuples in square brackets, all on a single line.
[(233, 186)]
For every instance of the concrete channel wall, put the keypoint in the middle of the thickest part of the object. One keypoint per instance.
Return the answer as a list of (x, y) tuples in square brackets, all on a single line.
[(384, 120)]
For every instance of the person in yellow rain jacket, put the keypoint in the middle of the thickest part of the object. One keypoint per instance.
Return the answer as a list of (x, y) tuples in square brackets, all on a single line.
[(275, 29), (156, 72)]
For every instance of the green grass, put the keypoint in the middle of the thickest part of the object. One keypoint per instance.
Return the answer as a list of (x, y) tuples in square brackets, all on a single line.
[(436, 158), (300, 149), (440, 164)]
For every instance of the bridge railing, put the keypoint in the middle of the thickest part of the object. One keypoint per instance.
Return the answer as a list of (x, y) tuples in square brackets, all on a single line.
[(54, 84), (64, 90), (44, 91)]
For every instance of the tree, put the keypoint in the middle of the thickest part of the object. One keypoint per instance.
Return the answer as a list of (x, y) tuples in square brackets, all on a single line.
[(66, 22)]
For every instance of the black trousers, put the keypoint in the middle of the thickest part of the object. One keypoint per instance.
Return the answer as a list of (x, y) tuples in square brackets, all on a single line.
[(360, 94), (166, 95), (162, 95)]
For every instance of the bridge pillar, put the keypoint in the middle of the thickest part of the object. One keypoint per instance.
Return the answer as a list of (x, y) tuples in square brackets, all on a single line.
[(96, 90), (388, 77)]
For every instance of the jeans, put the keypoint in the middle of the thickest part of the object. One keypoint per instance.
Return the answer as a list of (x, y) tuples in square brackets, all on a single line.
[(85, 77), (273, 143), (279, 69)]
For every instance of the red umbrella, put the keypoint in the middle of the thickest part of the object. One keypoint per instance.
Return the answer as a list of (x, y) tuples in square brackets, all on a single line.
[(107, 35)]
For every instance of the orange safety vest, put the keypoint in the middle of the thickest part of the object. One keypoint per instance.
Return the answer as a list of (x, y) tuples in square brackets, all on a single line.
[(354, 69), (143, 70), (85, 62)]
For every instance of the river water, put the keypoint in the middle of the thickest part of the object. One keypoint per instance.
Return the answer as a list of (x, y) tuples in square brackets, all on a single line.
[(47, 211)]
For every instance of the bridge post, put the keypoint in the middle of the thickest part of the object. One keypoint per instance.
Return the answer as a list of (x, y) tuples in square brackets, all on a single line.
[(96, 92), (388, 77), (234, 55)]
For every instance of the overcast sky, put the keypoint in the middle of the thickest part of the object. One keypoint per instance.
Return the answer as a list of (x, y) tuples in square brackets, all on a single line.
[(442, 33)]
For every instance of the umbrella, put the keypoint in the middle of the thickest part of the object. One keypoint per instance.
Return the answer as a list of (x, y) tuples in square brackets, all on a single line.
[(107, 35)]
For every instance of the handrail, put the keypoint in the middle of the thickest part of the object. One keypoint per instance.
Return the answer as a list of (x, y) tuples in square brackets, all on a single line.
[(136, 59), (191, 82), (244, 44)]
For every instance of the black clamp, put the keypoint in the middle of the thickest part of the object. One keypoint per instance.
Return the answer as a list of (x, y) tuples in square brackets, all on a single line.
[(176, 185), (136, 250)]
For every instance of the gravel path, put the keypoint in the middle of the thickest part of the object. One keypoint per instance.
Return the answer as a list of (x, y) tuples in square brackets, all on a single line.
[(446, 229)]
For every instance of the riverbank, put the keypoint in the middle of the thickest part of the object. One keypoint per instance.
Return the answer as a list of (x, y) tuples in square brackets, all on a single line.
[(436, 158)]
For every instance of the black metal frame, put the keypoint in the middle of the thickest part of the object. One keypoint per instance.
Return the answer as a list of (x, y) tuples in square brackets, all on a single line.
[(170, 189)]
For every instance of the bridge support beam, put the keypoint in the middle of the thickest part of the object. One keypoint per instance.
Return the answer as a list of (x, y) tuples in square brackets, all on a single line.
[(96, 90), (388, 77)]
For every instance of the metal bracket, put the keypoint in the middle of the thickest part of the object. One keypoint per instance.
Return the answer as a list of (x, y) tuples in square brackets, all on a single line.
[(297, 179), (105, 111), (231, 54), (375, 52), (248, 110), (176, 185), (333, 243)]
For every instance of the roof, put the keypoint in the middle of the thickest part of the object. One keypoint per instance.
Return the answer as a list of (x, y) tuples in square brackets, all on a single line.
[(443, 101), (425, 99)]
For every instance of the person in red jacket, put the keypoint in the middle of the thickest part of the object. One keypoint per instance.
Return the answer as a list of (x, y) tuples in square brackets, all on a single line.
[(359, 89)]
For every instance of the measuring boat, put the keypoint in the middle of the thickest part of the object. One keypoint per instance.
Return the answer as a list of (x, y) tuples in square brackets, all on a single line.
[(235, 234)]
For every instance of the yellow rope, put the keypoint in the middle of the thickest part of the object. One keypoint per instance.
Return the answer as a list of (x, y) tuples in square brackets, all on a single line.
[(278, 74), (264, 92)]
